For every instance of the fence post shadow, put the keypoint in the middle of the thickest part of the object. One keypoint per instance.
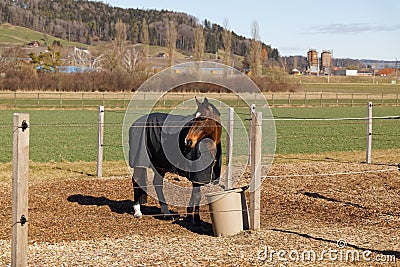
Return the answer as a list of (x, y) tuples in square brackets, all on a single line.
[(393, 253)]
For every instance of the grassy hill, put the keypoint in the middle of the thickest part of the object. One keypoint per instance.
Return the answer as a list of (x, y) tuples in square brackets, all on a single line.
[(16, 35), (11, 35)]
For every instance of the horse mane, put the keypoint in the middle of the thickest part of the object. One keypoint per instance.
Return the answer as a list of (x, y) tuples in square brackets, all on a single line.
[(215, 109)]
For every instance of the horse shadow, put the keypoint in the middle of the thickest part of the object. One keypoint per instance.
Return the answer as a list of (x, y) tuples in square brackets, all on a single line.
[(117, 206), (205, 228), (126, 207)]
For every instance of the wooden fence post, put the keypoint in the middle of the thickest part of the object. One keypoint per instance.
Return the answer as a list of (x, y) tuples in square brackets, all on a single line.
[(369, 134), (252, 110), (229, 149), (15, 99), (273, 100), (321, 102), (100, 137), (255, 184), (20, 169)]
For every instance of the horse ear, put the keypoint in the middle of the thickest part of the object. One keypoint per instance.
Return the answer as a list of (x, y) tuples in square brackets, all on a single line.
[(197, 102), (205, 100)]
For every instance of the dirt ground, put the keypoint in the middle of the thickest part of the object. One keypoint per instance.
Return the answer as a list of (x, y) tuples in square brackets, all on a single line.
[(321, 219)]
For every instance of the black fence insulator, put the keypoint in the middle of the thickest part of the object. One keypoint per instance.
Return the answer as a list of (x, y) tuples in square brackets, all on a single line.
[(23, 220), (24, 125)]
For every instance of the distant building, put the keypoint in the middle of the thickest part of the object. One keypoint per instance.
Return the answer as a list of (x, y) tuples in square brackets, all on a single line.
[(387, 72), (364, 73), (339, 72), (295, 71), (65, 69), (319, 65), (164, 55), (81, 50), (343, 72), (34, 44), (312, 62), (351, 72), (326, 62)]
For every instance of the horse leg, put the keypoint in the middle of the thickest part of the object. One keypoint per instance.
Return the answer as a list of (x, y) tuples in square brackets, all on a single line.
[(195, 202), (158, 183), (190, 207), (139, 190)]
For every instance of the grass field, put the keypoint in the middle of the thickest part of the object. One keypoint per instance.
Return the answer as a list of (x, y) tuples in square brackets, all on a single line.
[(71, 135), (11, 34), (366, 88)]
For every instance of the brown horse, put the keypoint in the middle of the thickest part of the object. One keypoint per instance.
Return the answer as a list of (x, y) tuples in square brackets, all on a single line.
[(207, 124), (175, 143)]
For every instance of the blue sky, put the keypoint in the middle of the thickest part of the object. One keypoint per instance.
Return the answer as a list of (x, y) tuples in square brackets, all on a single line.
[(350, 28)]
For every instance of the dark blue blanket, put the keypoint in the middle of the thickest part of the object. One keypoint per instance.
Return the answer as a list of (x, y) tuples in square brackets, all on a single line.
[(157, 141)]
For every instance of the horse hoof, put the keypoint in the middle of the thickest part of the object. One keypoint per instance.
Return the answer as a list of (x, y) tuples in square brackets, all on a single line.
[(138, 215)]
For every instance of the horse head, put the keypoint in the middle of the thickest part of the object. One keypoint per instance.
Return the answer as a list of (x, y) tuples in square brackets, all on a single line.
[(206, 124)]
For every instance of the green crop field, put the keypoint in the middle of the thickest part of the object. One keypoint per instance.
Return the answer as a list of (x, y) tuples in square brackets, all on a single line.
[(71, 135), (326, 136)]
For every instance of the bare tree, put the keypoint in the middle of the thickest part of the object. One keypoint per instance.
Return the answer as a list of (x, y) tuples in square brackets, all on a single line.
[(144, 38), (114, 57), (111, 60), (3, 62), (120, 37), (227, 41), (255, 49), (131, 60), (9, 58), (171, 41), (125, 58), (199, 43)]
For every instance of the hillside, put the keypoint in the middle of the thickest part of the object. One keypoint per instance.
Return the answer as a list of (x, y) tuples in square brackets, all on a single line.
[(91, 23), (17, 35)]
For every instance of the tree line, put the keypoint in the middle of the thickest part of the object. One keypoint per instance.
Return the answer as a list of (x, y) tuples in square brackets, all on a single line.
[(124, 65), (92, 22)]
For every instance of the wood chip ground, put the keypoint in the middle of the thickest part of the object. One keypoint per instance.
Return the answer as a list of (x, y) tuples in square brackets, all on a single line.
[(89, 222)]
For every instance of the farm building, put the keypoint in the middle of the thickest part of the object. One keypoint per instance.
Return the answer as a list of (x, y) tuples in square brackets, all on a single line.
[(387, 72), (34, 44), (164, 55), (295, 72)]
